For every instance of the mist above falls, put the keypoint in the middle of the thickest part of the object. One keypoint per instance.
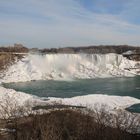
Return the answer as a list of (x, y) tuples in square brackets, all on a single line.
[(69, 66)]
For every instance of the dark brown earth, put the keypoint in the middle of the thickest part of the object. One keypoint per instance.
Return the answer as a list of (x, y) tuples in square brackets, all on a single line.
[(63, 125)]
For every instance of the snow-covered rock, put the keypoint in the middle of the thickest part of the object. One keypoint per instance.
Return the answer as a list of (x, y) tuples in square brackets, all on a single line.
[(97, 100)]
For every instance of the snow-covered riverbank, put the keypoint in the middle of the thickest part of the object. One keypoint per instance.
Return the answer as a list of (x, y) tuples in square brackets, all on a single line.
[(89, 101), (97, 100)]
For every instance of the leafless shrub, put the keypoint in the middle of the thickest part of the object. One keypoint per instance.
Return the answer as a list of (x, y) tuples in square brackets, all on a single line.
[(10, 114), (68, 124)]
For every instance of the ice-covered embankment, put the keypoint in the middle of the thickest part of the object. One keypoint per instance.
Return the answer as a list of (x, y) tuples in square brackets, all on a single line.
[(12, 102), (69, 66), (89, 101)]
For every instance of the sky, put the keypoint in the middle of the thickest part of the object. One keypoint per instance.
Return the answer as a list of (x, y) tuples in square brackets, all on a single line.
[(63, 23)]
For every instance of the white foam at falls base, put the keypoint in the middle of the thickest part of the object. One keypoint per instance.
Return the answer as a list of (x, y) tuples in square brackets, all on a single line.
[(68, 66)]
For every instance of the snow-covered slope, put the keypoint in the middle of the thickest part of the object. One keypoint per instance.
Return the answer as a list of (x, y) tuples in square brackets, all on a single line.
[(11, 95), (14, 102), (97, 100), (112, 102), (11, 98), (69, 66)]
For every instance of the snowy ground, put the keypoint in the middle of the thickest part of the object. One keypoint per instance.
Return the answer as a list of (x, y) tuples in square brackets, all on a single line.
[(112, 104), (11, 99), (89, 101)]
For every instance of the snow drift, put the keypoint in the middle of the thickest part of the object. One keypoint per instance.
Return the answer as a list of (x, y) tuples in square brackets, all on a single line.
[(90, 101), (69, 66)]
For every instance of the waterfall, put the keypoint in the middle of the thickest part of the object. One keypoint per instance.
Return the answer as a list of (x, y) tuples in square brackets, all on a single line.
[(68, 66)]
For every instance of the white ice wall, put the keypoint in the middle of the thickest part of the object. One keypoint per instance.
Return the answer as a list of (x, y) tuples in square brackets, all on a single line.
[(69, 66)]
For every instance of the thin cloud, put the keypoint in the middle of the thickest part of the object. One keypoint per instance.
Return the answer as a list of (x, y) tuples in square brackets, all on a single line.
[(53, 23)]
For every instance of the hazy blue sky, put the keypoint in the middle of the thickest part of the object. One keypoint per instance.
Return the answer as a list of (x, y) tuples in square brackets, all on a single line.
[(58, 23)]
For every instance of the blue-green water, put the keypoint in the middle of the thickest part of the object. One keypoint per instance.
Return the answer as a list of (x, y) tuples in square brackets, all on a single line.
[(134, 108), (109, 86)]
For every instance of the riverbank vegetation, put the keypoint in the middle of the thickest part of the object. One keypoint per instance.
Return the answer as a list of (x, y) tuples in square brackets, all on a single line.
[(66, 124)]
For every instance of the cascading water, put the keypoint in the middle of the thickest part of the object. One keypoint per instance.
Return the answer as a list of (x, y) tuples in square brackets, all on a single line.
[(69, 66)]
